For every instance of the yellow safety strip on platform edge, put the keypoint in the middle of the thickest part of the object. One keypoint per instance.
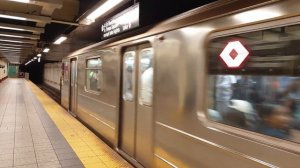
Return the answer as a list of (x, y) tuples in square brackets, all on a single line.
[(88, 147)]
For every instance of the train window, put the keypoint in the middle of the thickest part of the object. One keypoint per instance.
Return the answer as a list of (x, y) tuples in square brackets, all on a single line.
[(128, 75), (146, 77), (254, 81), (94, 74), (66, 72)]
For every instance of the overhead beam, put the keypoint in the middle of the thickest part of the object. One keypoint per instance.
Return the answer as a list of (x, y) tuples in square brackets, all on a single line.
[(19, 35), (21, 28), (23, 16), (48, 6), (5, 47)]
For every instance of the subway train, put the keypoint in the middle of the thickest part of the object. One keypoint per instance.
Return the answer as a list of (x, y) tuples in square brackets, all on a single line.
[(217, 86)]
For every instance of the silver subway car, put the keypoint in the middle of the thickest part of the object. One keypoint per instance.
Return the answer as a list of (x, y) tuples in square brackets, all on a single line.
[(218, 86)]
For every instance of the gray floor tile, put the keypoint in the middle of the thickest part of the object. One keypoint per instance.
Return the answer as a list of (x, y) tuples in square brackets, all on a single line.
[(24, 161), (24, 155), (74, 166), (27, 166), (6, 163), (54, 164), (65, 156), (63, 150), (28, 136), (70, 162), (24, 149), (6, 157)]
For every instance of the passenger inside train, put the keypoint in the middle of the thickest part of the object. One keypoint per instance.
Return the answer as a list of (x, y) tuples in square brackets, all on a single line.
[(146, 80), (263, 94), (276, 121)]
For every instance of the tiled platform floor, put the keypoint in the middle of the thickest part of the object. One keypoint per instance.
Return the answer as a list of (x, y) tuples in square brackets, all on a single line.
[(45, 135)]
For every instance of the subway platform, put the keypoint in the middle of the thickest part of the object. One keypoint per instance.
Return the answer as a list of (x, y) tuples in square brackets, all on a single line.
[(36, 132)]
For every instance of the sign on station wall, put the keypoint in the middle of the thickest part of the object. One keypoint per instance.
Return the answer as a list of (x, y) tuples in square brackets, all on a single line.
[(124, 21)]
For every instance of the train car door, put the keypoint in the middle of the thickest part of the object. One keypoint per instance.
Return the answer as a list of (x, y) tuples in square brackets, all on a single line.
[(136, 129), (73, 86)]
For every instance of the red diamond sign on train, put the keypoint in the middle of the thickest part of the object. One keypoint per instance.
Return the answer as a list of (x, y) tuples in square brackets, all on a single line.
[(234, 54)]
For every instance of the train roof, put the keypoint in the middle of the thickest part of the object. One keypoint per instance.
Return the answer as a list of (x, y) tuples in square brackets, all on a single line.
[(197, 15)]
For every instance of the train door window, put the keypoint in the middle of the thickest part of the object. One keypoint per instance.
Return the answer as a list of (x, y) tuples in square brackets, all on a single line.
[(261, 92), (128, 75), (146, 77), (94, 74), (66, 72)]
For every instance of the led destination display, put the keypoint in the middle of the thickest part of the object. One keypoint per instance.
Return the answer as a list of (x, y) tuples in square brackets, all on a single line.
[(122, 22)]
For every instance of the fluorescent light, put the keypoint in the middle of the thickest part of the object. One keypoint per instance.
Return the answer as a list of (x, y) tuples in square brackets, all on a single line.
[(11, 28), (60, 40), (19, 35), (39, 59), (16, 51), (256, 15), (39, 55), (22, 1), (12, 17), (7, 49), (46, 50), (21, 28), (106, 6)]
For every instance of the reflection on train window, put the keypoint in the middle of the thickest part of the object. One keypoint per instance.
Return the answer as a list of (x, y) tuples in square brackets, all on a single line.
[(263, 95), (146, 77), (94, 74), (128, 75), (66, 72)]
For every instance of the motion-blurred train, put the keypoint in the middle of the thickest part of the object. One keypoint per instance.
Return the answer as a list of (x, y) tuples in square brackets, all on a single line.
[(217, 86)]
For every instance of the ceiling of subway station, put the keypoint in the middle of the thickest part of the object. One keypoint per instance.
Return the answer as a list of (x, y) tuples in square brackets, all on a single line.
[(27, 28)]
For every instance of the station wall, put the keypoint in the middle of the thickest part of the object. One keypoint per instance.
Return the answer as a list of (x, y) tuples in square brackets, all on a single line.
[(3, 70)]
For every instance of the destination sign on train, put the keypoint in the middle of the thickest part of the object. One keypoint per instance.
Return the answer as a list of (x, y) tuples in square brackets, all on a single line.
[(234, 54), (122, 22)]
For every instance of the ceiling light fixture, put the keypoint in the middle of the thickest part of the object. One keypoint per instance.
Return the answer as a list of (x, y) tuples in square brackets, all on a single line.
[(28, 62), (46, 50), (7, 49), (106, 6), (36, 30), (12, 17), (60, 40), (39, 55), (22, 1), (256, 15), (11, 28), (27, 17)]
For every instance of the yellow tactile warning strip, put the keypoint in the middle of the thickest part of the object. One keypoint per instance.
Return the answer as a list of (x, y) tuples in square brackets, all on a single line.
[(88, 147)]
